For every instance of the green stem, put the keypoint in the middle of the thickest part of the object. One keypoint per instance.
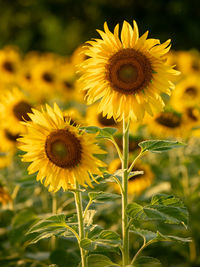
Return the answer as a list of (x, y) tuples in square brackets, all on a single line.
[(79, 208), (125, 230), (54, 211), (117, 148), (138, 252), (133, 163)]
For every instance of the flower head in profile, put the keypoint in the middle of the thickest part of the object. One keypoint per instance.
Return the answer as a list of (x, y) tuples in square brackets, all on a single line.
[(60, 152), (126, 74)]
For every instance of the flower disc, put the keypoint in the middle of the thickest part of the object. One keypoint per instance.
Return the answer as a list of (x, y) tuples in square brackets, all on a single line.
[(63, 149), (129, 71)]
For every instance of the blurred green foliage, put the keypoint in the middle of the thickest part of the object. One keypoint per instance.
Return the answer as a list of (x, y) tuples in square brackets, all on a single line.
[(62, 25)]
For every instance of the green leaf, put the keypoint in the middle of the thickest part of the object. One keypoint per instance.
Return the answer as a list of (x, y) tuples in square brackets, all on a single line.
[(107, 234), (107, 240), (158, 146), (91, 129), (145, 261), (94, 231), (156, 236), (163, 207), (99, 197), (106, 132), (54, 225), (98, 260)]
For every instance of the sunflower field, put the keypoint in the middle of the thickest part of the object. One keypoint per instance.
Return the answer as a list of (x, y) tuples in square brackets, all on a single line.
[(99, 133)]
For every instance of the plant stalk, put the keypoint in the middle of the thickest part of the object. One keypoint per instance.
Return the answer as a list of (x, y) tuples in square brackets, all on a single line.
[(79, 209), (125, 231)]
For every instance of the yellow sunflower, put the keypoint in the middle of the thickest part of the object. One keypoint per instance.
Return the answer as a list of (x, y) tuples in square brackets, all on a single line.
[(44, 75), (5, 198), (14, 107), (93, 118), (187, 93), (59, 152), (138, 183), (10, 62), (168, 124), (128, 75), (68, 82), (188, 62)]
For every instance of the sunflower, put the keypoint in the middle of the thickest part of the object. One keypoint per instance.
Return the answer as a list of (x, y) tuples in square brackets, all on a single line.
[(128, 75), (68, 82), (14, 107), (188, 62), (93, 118), (59, 152), (10, 62), (168, 124), (4, 196), (187, 93), (44, 75), (138, 183)]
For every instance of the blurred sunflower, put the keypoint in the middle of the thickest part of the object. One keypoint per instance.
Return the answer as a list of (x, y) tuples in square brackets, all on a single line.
[(187, 93), (44, 76), (93, 118), (4, 196), (14, 107), (68, 82), (168, 124), (138, 183), (188, 62), (10, 63), (128, 75), (59, 152)]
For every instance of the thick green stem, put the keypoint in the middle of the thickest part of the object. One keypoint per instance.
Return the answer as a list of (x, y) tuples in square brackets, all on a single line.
[(125, 231), (79, 208), (54, 212)]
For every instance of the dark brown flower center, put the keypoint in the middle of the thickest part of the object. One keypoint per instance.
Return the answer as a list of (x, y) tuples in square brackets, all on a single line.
[(63, 149), (169, 119), (106, 122), (28, 76), (10, 136), (21, 109), (192, 113), (9, 66), (68, 85), (191, 91), (47, 77), (129, 71)]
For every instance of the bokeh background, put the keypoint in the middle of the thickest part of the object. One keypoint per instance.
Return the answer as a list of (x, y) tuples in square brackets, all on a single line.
[(62, 25)]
